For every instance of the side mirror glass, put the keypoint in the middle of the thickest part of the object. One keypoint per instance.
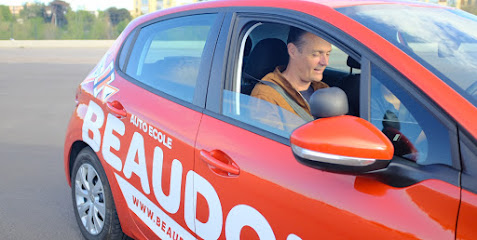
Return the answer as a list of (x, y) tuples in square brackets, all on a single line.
[(343, 144)]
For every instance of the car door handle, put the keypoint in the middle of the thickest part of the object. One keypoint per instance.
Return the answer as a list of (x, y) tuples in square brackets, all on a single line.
[(220, 162), (117, 109)]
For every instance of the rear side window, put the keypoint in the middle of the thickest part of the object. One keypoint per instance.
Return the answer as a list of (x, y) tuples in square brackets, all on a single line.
[(125, 50), (167, 55)]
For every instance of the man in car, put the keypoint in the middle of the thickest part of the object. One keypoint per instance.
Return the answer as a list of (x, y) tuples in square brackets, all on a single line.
[(291, 87)]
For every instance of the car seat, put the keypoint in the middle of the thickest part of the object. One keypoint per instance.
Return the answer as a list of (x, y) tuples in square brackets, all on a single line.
[(351, 85), (246, 51), (264, 57)]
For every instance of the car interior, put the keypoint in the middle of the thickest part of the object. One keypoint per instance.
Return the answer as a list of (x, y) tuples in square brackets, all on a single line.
[(265, 48)]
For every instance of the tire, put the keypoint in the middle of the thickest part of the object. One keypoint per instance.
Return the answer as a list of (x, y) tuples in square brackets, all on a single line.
[(92, 199)]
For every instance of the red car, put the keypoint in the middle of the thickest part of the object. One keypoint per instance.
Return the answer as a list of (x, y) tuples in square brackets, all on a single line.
[(165, 141)]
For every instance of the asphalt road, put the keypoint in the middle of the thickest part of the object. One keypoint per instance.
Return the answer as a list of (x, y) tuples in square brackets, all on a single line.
[(37, 90)]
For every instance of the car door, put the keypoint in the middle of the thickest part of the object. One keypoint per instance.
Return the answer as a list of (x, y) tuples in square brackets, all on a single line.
[(159, 102), (249, 185)]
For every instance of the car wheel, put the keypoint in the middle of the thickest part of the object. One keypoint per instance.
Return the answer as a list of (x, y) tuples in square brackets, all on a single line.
[(92, 199)]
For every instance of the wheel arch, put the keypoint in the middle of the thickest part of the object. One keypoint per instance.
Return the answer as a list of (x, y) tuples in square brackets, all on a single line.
[(76, 147)]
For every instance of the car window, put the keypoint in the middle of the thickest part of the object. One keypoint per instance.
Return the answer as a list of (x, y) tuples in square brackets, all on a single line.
[(125, 50), (443, 40), (262, 50), (339, 62), (260, 113), (415, 133), (166, 55)]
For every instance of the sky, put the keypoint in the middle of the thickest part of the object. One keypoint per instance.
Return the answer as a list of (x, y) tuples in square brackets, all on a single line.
[(79, 4)]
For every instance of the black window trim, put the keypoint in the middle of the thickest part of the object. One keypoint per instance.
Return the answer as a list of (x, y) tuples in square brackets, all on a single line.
[(469, 170), (200, 91), (133, 36)]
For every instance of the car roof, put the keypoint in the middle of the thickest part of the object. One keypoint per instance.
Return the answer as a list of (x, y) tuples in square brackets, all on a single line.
[(329, 3), (349, 3), (299, 5), (325, 9)]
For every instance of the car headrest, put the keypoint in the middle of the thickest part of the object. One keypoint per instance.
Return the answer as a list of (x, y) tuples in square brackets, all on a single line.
[(265, 56), (328, 102), (353, 63)]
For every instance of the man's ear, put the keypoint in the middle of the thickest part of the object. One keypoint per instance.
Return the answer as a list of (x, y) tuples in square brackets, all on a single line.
[(292, 50)]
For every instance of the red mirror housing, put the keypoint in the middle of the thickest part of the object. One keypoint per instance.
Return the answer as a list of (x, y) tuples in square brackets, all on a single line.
[(342, 144)]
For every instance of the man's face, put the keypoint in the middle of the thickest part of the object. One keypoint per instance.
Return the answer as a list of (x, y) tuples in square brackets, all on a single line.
[(311, 58)]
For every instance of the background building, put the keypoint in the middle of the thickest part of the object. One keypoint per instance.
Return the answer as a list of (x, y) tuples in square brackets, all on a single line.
[(15, 10)]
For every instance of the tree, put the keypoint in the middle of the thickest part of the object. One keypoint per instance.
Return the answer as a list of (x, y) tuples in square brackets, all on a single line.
[(5, 14), (118, 15), (57, 21), (470, 8), (79, 25), (57, 12), (120, 27), (35, 10), (101, 28), (6, 23)]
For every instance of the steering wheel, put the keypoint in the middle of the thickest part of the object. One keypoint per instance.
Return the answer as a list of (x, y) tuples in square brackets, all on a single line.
[(402, 144)]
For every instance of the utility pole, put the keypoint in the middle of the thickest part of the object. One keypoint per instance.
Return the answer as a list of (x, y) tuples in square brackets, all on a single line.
[(11, 29), (36, 31), (53, 16)]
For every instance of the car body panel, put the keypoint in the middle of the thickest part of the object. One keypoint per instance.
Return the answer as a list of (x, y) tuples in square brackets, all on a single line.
[(168, 131), (346, 206), (145, 132), (467, 213)]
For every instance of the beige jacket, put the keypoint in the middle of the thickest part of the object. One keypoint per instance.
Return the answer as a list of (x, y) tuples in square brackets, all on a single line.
[(274, 116)]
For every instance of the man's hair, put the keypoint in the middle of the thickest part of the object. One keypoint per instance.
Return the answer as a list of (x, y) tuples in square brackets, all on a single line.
[(295, 36)]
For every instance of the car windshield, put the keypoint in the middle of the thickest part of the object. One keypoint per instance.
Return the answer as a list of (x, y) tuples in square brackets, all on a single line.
[(444, 40)]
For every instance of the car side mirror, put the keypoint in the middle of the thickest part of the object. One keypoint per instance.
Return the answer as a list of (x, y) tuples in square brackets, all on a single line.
[(343, 144), (328, 102)]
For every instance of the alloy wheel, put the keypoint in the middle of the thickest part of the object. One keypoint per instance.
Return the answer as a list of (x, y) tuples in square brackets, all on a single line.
[(89, 194)]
